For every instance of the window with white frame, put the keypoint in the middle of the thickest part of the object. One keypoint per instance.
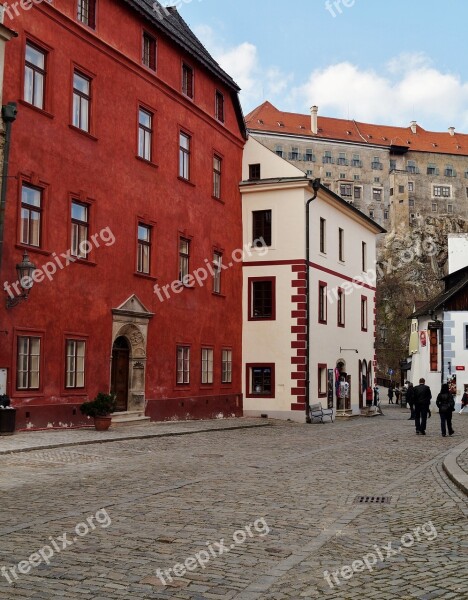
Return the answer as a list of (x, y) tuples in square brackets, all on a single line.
[(28, 363), (75, 364), (207, 365)]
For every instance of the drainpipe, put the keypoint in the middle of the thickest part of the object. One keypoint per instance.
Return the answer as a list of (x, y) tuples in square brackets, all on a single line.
[(442, 347), (9, 112), (315, 187)]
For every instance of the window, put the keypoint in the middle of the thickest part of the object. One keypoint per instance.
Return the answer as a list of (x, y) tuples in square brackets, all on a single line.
[(432, 169), (376, 179), (28, 363), (377, 194), (279, 150), (262, 298), (392, 164), (184, 258), (207, 365), (433, 350), (364, 256), (410, 186), (217, 163), (341, 244), (226, 366), (363, 313), (341, 308), (79, 230), (322, 381), (31, 216), (434, 207), (183, 365), (75, 364), (450, 208), (149, 51), (322, 302), (219, 106), (411, 202), (391, 191), (327, 157), (145, 133), (328, 174), (357, 192), (184, 156), (411, 167), (144, 249), (217, 268), (323, 236), (81, 101), (260, 380), (87, 12), (254, 172), (401, 189), (356, 177), (346, 190), (342, 175), (261, 230), (309, 155), (187, 80), (376, 164), (450, 171), (371, 213), (385, 214), (356, 162), (442, 191), (34, 75), (294, 155), (342, 159)]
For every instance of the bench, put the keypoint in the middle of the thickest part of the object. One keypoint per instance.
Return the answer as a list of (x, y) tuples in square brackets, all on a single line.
[(317, 412)]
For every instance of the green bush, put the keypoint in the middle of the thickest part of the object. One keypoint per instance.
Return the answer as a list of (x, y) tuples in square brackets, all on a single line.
[(102, 406)]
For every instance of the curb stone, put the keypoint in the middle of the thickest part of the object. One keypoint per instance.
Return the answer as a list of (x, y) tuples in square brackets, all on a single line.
[(454, 471)]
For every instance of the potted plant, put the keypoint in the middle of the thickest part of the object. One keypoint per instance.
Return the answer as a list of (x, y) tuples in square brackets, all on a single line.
[(100, 409), (7, 416)]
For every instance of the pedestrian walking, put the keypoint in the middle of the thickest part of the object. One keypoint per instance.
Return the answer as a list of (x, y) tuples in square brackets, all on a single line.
[(422, 402), (410, 399), (446, 405), (369, 396), (397, 394), (464, 401), (390, 395)]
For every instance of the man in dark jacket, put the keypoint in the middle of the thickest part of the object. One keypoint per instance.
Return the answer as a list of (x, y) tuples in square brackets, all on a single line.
[(422, 400), (410, 399)]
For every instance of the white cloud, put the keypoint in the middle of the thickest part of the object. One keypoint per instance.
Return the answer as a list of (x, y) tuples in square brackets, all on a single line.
[(407, 88)]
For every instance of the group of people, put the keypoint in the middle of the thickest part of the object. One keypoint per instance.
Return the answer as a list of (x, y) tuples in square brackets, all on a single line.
[(419, 400)]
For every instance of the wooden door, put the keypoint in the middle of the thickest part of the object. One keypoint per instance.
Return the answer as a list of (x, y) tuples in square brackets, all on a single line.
[(120, 368)]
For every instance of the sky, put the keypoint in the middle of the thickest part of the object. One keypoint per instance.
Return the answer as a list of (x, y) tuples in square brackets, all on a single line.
[(377, 61)]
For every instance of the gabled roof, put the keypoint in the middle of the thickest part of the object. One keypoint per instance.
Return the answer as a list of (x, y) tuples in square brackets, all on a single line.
[(439, 301), (169, 21), (267, 118)]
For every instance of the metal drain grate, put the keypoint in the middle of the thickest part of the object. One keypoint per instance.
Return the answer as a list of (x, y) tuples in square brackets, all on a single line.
[(372, 500)]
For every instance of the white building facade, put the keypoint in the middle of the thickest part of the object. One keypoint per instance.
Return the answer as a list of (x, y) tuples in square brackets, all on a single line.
[(341, 293), (439, 329)]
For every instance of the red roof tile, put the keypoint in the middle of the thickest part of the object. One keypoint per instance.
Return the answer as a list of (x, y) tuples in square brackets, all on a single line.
[(267, 117)]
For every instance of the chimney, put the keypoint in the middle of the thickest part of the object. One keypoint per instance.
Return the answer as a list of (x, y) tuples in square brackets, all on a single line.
[(413, 126), (451, 131), (314, 119)]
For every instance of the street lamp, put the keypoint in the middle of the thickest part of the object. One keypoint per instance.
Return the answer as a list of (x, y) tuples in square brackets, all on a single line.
[(24, 270)]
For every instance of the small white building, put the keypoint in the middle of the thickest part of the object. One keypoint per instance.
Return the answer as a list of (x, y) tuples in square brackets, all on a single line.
[(439, 329), (341, 293)]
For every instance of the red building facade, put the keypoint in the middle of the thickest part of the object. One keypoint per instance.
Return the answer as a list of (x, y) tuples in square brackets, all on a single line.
[(123, 190)]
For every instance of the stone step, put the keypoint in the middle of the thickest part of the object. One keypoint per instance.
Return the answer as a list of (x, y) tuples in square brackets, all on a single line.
[(130, 418)]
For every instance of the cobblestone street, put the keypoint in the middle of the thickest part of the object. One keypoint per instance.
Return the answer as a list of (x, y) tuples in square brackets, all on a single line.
[(172, 498)]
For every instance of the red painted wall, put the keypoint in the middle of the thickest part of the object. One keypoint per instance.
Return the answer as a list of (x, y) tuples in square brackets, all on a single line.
[(103, 169)]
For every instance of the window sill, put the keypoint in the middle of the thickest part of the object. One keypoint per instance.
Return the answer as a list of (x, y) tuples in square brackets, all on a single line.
[(218, 295), (322, 322), (150, 163), (251, 395), (145, 276), (83, 132), (342, 325), (33, 249), (82, 261), (187, 181), (322, 395), (41, 111), (260, 319)]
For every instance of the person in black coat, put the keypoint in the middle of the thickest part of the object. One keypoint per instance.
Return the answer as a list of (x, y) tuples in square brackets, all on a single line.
[(410, 399), (422, 401), (446, 406)]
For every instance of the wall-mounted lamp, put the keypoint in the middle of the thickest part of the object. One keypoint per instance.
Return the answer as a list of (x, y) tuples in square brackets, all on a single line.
[(24, 270)]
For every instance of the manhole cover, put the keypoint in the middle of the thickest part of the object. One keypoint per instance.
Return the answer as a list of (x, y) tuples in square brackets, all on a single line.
[(372, 500)]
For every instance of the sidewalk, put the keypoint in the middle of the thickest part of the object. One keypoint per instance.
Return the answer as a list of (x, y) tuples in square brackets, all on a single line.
[(40, 440)]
